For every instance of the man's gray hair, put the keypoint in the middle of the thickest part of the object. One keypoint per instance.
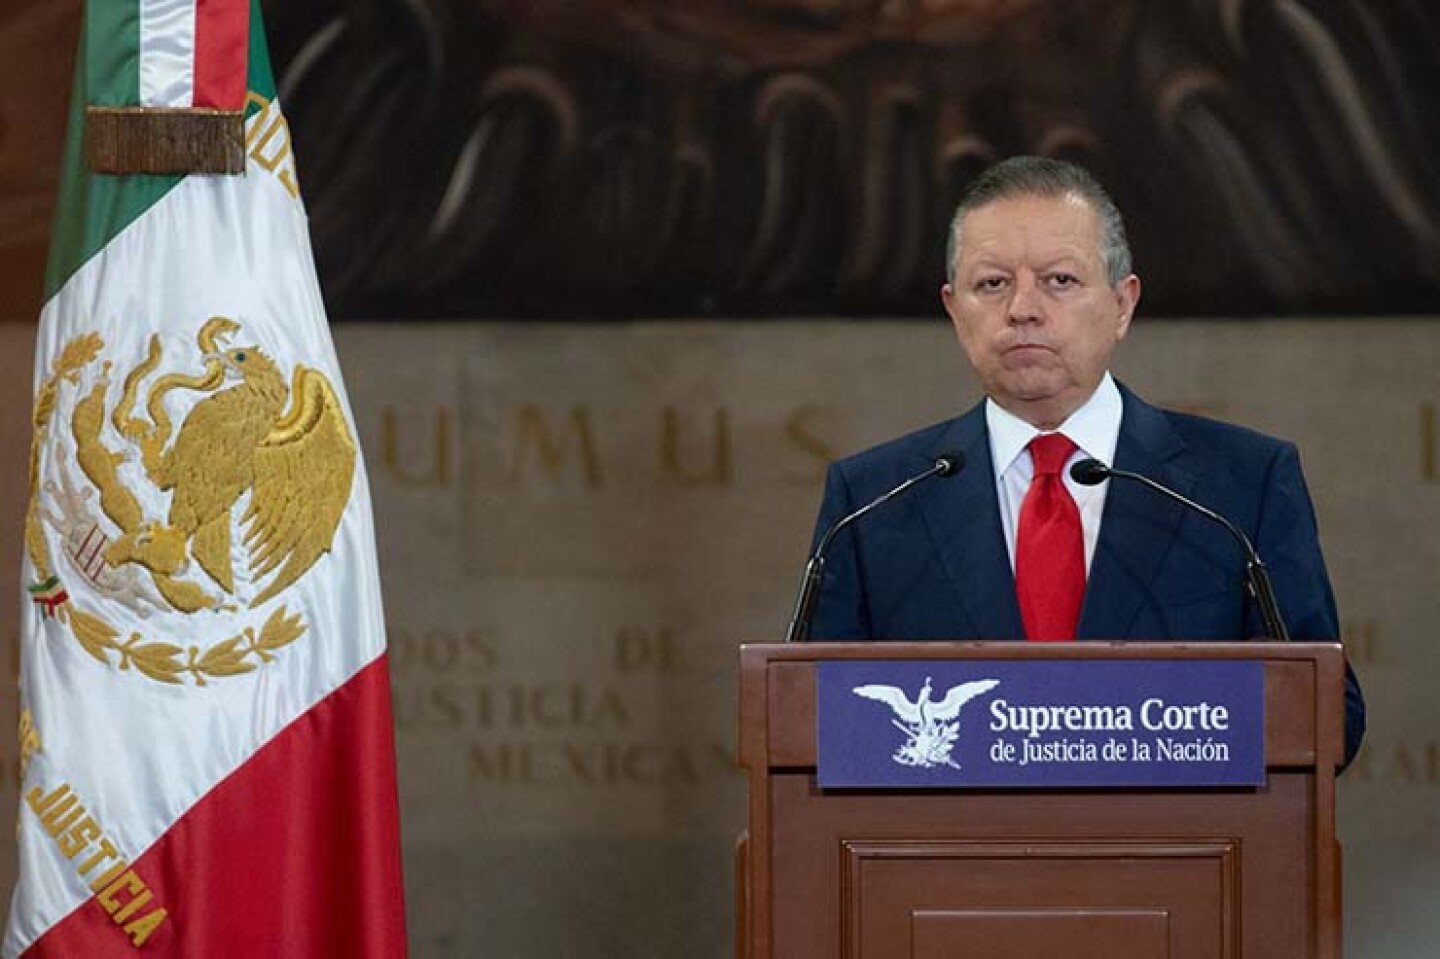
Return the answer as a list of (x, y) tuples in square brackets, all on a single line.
[(1024, 176)]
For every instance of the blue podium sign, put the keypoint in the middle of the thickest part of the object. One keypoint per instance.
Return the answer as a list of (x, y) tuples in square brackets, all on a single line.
[(949, 724)]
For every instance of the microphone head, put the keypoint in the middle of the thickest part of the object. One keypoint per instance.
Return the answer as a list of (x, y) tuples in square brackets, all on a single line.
[(948, 464), (1090, 472)]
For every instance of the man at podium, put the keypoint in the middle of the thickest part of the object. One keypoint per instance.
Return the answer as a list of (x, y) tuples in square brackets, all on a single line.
[(1029, 533)]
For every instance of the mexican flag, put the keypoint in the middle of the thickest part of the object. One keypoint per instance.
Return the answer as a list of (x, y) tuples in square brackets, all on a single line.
[(207, 755)]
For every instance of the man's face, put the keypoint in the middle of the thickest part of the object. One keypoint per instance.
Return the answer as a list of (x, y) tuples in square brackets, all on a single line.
[(1032, 306)]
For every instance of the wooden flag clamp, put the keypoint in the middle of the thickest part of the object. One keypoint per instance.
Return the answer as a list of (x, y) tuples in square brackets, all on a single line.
[(165, 140)]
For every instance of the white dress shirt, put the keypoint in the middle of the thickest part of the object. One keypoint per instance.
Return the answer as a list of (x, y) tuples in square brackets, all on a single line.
[(1094, 429)]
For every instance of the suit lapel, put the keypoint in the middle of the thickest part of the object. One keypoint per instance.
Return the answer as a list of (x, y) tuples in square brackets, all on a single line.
[(963, 517), (1138, 525)]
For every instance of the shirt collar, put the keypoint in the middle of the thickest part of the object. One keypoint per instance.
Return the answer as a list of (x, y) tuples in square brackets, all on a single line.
[(1094, 427)]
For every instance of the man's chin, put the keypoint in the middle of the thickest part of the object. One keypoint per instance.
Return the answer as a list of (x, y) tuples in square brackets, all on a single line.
[(1042, 405), (1040, 388)]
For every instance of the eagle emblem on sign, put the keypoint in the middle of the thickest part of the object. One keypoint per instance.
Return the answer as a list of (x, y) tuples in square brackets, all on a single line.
[(182, 492), (931, 727)]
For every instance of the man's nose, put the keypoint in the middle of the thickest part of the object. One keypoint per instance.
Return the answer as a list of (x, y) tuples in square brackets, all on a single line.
[(1026, 305)]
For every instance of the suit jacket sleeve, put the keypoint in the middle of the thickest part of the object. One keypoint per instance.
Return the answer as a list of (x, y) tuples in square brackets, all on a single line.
[(1288, 541)]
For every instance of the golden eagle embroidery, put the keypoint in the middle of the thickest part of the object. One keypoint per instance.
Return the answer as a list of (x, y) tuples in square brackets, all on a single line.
[(280, 453)]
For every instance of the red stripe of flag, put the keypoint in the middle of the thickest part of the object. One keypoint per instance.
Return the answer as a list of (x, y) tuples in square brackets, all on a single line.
[(222, 36), (295, 854)]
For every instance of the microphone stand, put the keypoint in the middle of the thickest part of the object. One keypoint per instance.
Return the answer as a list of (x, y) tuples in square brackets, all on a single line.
[(1257, 578), (945, 465)]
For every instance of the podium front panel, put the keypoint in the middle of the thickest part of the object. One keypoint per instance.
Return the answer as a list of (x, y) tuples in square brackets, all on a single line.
[(1193, 873)]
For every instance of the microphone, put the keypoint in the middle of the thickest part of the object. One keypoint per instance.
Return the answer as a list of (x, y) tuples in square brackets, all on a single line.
[(1092, 472), (946, 464)]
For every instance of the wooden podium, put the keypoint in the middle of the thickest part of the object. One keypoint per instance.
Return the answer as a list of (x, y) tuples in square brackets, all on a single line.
[(1202, 873)]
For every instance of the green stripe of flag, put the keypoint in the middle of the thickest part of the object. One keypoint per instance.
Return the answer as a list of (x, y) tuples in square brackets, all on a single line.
[(262, 78), (92, 210), (111, 53)]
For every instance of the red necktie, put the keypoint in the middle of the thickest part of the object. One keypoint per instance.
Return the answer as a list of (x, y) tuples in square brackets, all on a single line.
[(1049, 546)]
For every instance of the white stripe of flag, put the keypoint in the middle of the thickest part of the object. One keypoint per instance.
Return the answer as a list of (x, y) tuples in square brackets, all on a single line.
[(167, 53)]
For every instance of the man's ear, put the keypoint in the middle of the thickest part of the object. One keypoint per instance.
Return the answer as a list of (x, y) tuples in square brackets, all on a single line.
[(952, 308), (1127, 295)]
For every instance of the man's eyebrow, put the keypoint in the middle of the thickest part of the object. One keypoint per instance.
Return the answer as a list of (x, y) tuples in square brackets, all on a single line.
[(1069, 259), (982, 259)]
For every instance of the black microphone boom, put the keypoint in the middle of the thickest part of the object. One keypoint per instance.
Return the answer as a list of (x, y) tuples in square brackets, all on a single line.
[(946, 464), (1091, 472)]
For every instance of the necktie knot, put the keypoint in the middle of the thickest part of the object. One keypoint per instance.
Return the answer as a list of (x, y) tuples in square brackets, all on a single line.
[(1049, 452)]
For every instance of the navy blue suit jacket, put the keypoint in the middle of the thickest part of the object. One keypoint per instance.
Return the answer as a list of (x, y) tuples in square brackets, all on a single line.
[(934, 565)]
